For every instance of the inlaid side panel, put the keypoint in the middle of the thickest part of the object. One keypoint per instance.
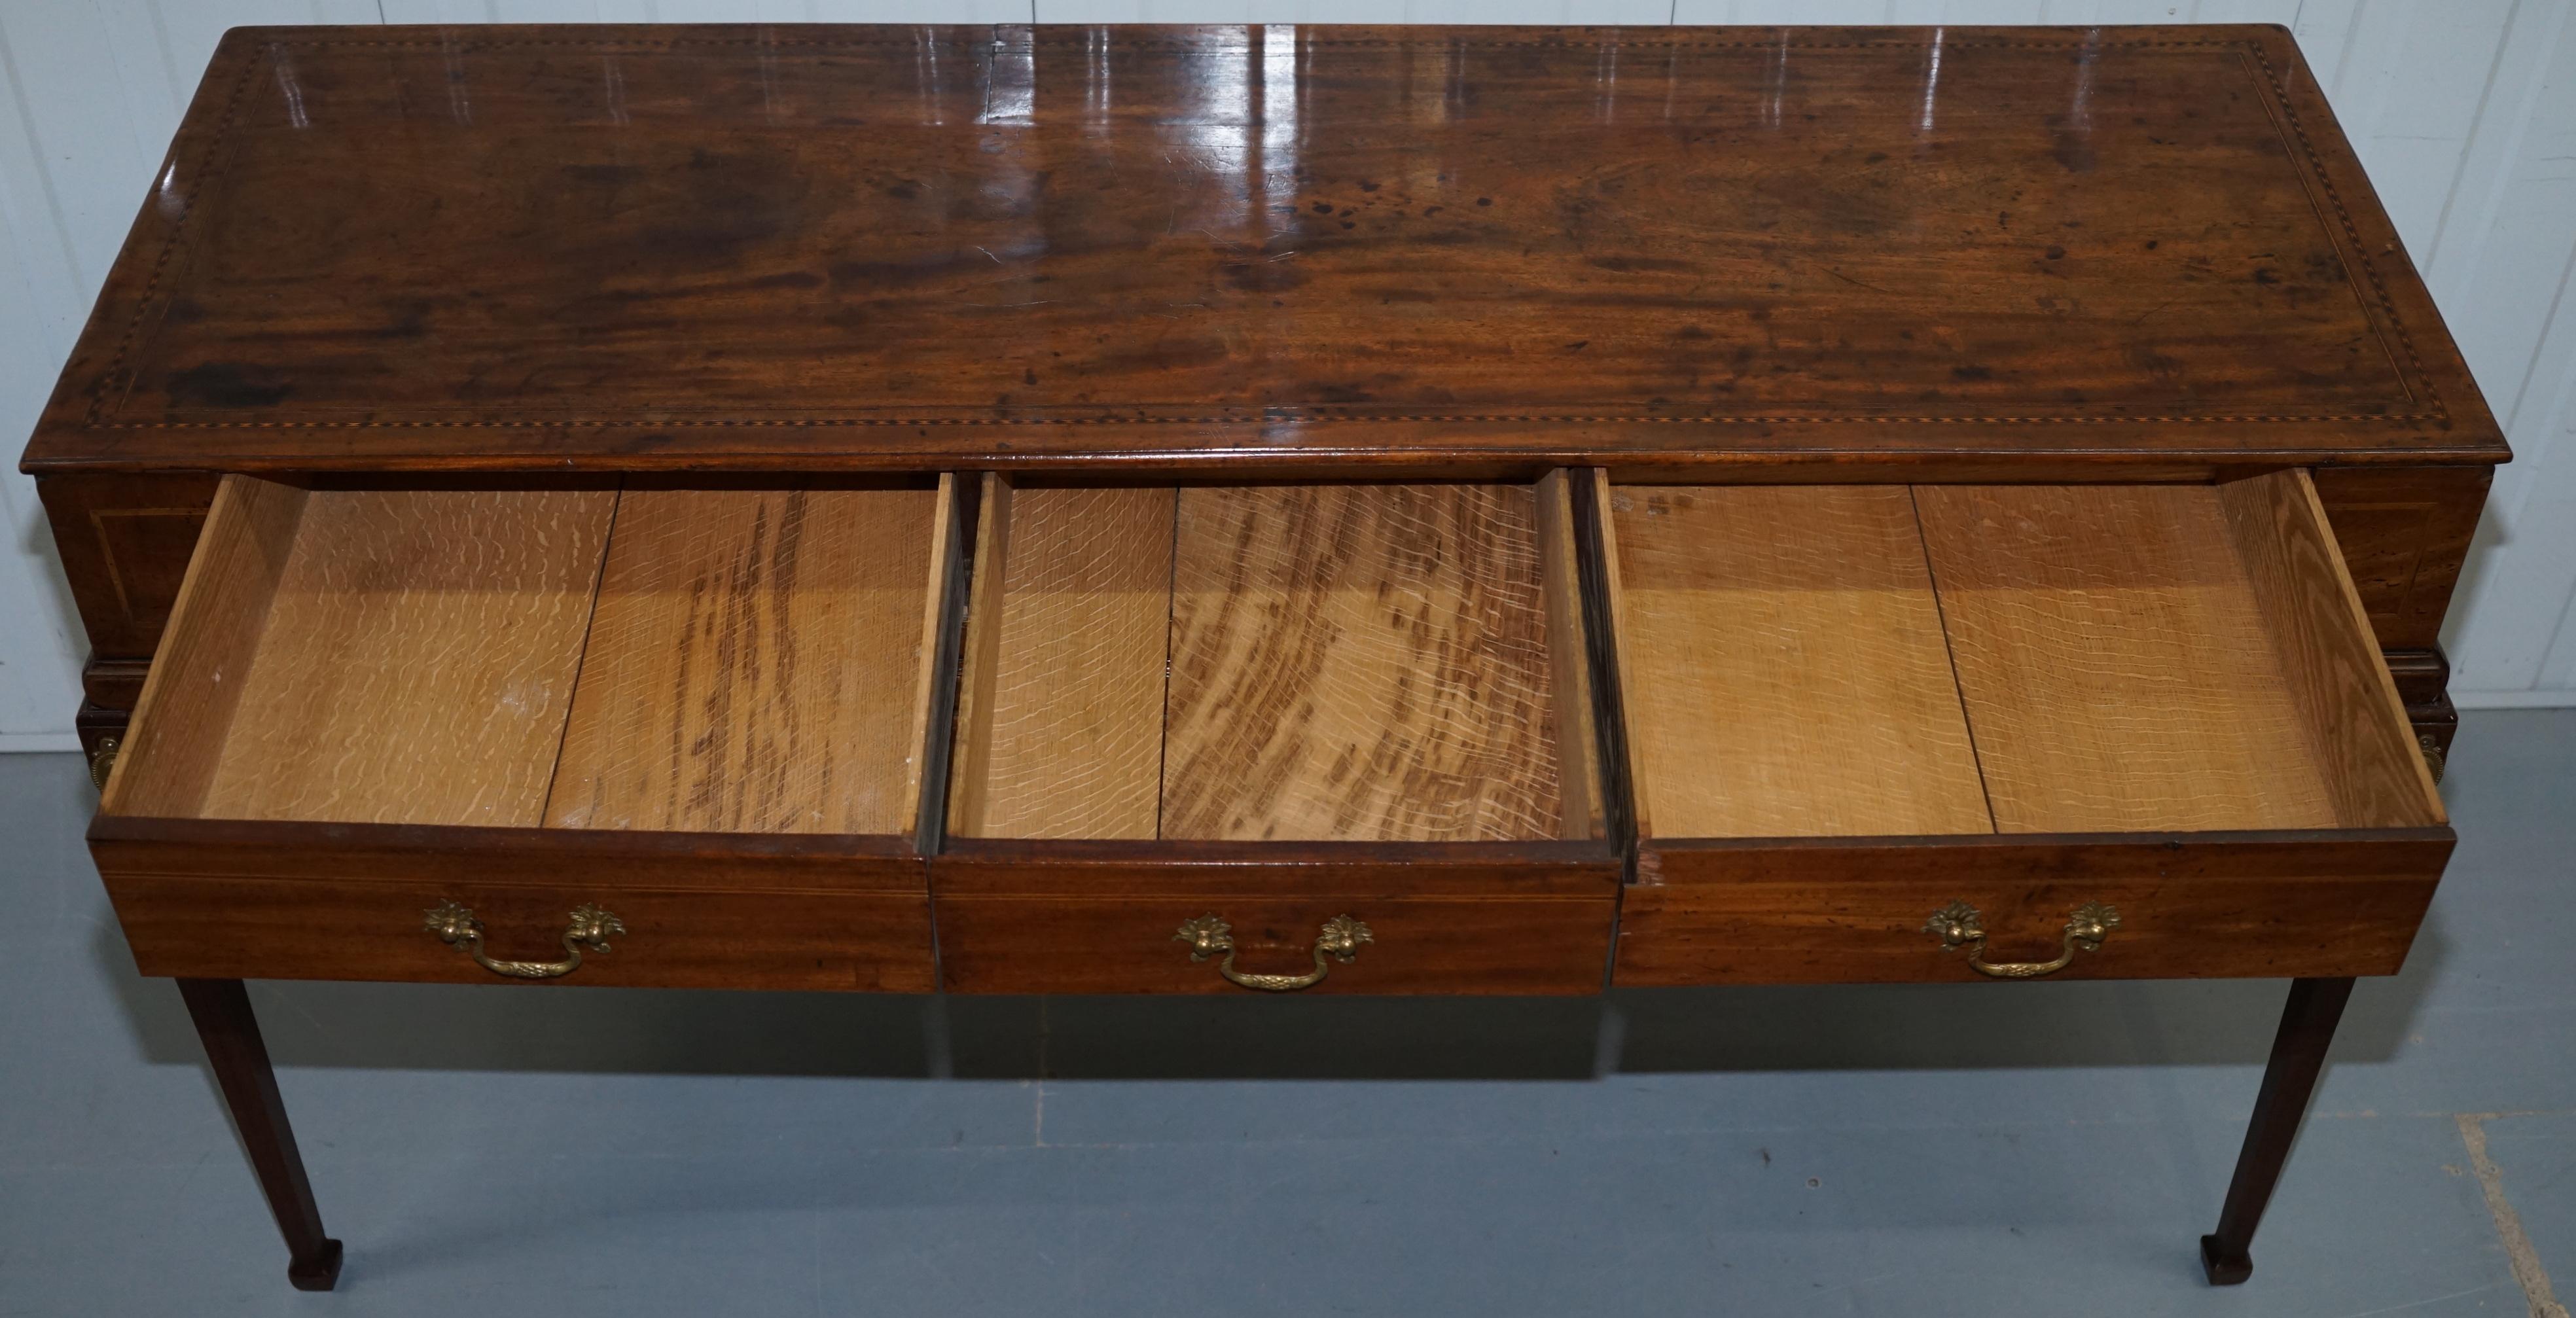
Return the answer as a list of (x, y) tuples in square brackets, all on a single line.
[(1061, 708), (2404, 533), (1785, 671), (417, 660), (2115, 662), (1360, 662), (754, 665), (124, 542)]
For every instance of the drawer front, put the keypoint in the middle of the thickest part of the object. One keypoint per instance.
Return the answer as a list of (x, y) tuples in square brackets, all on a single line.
[(278, 929), (1063, 918), (217, 899), (1138, 945), (2188, 906)]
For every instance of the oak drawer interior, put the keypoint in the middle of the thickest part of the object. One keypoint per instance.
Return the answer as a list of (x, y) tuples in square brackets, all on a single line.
[(726, 661), (1865, 660), (2024, 697), (1276, 663)]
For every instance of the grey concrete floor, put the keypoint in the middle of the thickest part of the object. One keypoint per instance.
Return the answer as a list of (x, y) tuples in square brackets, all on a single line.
[(1988, 1149)]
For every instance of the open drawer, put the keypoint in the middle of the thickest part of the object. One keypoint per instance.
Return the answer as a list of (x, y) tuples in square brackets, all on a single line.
[(638, 737), (1213, 736), (1888, 733)]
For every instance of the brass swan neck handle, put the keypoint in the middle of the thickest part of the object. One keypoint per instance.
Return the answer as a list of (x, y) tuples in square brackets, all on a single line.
[(589, 927), (1340, 941), (1959, 925)]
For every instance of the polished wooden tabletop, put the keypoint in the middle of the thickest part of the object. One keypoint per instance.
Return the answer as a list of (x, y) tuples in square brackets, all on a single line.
[(1162, 248)]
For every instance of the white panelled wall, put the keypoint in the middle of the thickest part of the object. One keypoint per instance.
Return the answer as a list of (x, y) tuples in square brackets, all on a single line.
[(2463, 110)]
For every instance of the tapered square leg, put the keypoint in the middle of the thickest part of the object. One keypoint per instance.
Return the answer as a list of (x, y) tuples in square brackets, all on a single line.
[(2289, 1081), (221, 1009)]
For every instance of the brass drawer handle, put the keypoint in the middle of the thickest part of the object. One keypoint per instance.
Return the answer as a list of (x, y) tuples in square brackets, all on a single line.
[(1208, 935), (1958, 925), (456, 926)]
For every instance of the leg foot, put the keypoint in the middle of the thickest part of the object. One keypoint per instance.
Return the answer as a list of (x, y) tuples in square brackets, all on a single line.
[(2222, 1267), (319, 1271), (2298, 1057), (221, 1009)]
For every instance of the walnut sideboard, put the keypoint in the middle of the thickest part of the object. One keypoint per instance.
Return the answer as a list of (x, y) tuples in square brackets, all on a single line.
[(1241, 509)]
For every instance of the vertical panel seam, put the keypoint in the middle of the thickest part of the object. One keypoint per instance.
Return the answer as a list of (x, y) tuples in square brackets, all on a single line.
[(1171, 625), (1958, 684), (581, 664)]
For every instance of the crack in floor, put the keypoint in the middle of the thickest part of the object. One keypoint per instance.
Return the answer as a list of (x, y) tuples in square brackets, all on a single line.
[(2518, 1253)]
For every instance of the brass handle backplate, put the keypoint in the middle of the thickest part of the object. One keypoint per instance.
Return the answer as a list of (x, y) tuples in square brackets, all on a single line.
[(1959, 925), (590, 928), (102, 762), (1340, 941)]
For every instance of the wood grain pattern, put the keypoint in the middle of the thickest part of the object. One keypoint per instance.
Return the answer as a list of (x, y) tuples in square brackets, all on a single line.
[(539, 857), (1062, 705), (992, 867), (1608, 593), (970, 767), (2329, 662), (1114, 944), (1048, 261), (418, 659), (1786, 672), (934, 693), (2404, 534), (175, 743), (281, 900), (2118, 671), (734, 938), (124, 543), (1452, 918), (757, 663), (1365, 662), (1847, 911), (1583, 787)]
